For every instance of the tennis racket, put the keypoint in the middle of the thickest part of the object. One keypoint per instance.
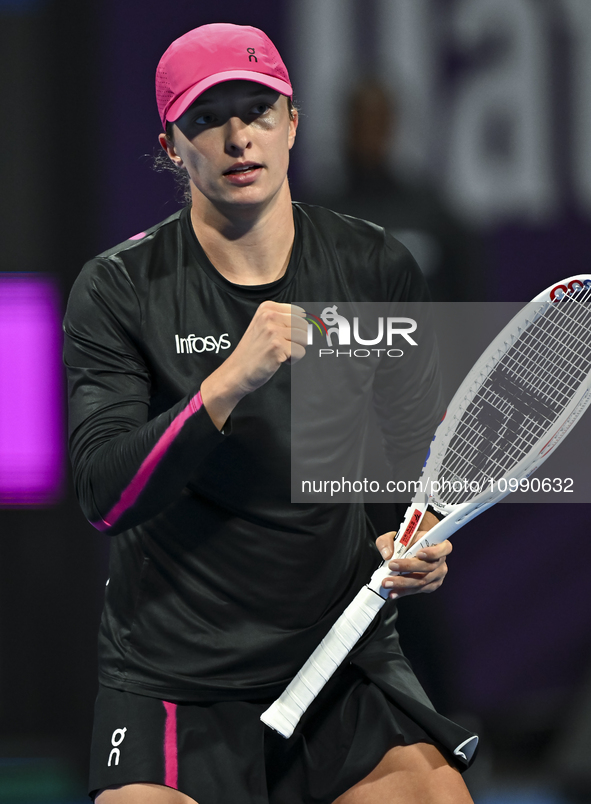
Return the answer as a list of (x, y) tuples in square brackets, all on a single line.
[(515, 406)]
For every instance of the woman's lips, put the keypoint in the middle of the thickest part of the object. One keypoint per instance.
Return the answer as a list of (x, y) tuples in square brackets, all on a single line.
[(241, 176)]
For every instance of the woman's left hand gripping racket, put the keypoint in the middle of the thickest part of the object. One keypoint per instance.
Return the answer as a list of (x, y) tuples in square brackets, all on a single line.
[(518, 402)]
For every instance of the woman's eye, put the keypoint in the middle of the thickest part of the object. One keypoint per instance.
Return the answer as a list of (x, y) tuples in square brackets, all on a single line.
[(204, 119), (260, 108)]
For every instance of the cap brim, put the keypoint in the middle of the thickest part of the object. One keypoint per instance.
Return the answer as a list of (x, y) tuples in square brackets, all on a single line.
[(182, 103)]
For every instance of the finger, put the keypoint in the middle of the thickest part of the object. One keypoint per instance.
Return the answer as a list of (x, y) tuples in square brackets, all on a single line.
[(407, 566), (424, 590), (293, 344), (436, 551), (282, 315), (415, 582), (299, 336), (286, 318), (296, 353), (402, 585), (293, 322), (385, 544), (282, 307), (430, 583), (413, 578)]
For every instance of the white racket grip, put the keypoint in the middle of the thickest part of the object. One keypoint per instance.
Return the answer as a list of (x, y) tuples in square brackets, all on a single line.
[(284, 714)]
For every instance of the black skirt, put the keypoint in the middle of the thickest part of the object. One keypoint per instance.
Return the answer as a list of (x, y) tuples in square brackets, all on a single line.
[(221, 751)]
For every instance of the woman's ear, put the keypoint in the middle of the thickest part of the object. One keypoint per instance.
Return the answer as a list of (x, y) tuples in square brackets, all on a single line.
[(168, 146)]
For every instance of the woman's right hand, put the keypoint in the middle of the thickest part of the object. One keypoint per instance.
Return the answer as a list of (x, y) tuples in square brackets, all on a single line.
[(277, 334)]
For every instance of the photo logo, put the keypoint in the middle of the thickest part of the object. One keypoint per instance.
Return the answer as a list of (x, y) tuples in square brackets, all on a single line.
[(337, 330)]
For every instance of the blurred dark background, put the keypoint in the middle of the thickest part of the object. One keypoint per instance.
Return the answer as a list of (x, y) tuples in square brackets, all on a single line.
[(464, 126)]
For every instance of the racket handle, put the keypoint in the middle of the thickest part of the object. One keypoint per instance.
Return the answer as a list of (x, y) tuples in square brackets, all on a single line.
[(284, 714)]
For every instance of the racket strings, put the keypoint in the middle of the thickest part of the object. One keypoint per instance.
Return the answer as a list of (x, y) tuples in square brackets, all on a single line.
[(515, 435), (526, 391), (467, 463), (565, 355), (550, 340), (537, 375)]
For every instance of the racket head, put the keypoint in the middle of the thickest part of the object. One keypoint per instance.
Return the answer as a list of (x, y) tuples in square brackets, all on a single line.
[(521, 398)]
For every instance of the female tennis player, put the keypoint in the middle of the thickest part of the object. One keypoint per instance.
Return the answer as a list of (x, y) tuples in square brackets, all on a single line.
[(178, 347)]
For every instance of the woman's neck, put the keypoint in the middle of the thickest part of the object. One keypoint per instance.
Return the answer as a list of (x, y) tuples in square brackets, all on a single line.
[(248, 246)]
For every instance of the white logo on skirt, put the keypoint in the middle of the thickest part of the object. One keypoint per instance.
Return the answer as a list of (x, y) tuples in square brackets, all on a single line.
[(116, 739)]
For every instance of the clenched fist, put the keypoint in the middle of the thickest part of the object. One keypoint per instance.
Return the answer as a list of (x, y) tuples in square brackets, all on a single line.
[(277, 334)]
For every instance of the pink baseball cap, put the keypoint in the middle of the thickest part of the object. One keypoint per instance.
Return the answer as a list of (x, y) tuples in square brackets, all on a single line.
[(211, 54)]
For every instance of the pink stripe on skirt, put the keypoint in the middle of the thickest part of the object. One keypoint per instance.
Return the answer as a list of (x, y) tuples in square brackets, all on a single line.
[(171, 759)]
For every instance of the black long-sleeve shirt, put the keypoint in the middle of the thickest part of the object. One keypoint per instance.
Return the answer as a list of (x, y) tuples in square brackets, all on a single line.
[(219, 586)]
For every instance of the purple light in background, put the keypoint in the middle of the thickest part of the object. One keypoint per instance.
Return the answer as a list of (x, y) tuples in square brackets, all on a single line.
[(31, 413)]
